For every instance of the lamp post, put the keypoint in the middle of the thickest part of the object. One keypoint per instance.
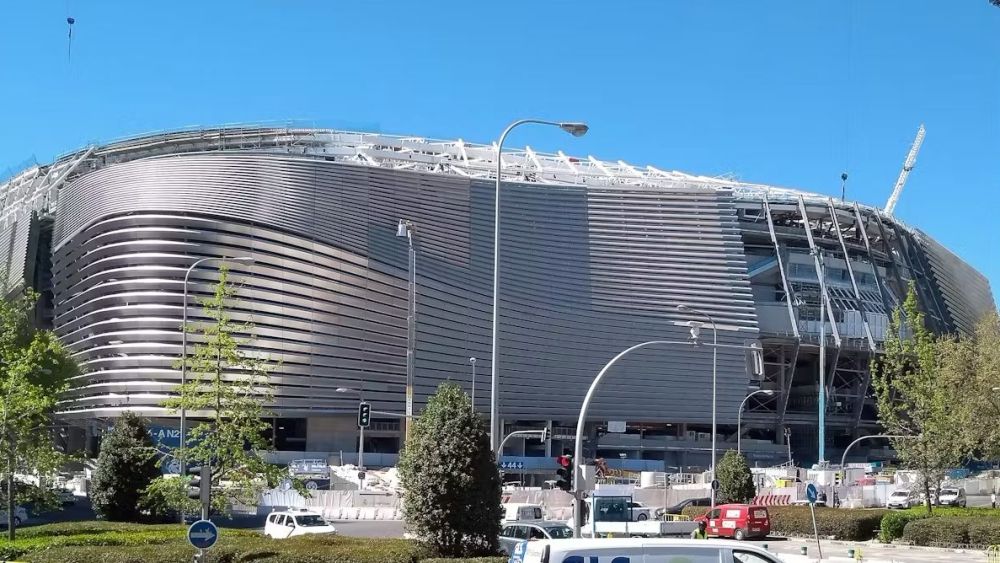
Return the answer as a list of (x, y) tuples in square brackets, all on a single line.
[(739, 416), (821, 415), (187, 275), (405, 229), (472, 361), (843, 458), (715, 343), (577, 130)]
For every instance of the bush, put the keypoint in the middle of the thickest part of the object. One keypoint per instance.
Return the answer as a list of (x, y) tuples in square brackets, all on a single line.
[(233, 549), (842, 523), (894, 521), (451, 479), (953, 531), (735, 479), (125, 467)]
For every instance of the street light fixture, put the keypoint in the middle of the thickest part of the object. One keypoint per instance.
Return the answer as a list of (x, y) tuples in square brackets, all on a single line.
[(405, 229), (739, 416), (577, 129), (187, 275), (715, 350)]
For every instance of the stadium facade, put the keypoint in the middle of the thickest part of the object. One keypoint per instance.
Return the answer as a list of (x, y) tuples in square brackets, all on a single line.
[(595, 257)]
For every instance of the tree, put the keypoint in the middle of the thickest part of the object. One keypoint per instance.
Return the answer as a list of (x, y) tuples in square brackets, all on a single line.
[(918, 385), (125, 467), (228, 387), (34, 369), (973, 358), (735, 479), (451, 484)]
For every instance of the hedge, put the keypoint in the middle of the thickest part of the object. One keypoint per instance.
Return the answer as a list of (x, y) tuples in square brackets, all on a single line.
[(894, 522), (953, 531), (848, 524)]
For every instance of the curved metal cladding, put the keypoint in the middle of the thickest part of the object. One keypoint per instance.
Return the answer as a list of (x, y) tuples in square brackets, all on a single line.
[(585, 273), (965, 291)]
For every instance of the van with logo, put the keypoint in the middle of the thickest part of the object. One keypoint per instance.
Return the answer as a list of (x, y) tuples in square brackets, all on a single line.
[(639, 550), (516, 511), (737, 521)]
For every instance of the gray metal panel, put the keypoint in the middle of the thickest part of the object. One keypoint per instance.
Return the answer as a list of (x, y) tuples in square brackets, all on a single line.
[(585, 273), (966, 292)]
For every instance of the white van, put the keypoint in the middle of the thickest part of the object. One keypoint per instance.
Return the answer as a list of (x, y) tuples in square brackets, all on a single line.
[(515, 511), (296, 522), (638, 550)]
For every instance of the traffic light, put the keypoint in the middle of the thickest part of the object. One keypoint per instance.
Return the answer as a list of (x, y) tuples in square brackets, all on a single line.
[(565, 472), (200, 488), (364, 415), (838, 478)]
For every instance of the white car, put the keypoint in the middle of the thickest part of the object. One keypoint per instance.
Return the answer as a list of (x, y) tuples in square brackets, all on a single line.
[(901, 498), (289, 523), (640, 512), (20, 516)]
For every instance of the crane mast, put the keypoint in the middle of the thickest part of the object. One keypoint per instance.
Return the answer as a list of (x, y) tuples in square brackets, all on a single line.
[(911, 160)]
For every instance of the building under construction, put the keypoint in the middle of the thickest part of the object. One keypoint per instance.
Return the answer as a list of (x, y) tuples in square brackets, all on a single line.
[(595, 256)]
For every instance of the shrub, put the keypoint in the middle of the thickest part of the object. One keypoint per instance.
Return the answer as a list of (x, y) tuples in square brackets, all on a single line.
[(953, 531), (125, 467), (893, 523), (735, 479), (450, 477)]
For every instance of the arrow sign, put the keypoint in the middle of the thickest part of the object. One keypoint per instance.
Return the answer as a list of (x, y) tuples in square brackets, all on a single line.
[(203, 534), (811, 493)]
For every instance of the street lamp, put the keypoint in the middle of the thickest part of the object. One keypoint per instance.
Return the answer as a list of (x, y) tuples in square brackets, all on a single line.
[(187, 275), (715, 349), (472, 361), (405, 229), (577, 130), (739, 416)]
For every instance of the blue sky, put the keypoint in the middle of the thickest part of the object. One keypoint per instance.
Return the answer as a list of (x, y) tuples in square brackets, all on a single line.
[(786, 93)]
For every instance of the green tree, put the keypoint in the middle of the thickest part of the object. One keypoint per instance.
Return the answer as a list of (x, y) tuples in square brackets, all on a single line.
[(228, 388), (34, 369), (974, 359), (919, 386), (449, 475), (125, 467), (735, 479)]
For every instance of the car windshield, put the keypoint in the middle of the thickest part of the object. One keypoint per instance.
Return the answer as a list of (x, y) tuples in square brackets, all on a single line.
[(310, 520), (900, 494), (559, 532), (949, 492)]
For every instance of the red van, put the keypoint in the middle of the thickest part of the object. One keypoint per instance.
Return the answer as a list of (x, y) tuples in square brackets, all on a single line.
[(737, 521)]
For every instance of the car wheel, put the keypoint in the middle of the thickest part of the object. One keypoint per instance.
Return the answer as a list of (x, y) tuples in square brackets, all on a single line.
[(739, 534), (642, 517)]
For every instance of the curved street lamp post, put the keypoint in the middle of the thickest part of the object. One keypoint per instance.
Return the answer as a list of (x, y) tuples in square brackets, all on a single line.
[(576, 129)]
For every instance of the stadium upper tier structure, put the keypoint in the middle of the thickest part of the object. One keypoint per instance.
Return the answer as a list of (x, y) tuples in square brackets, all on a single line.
[(595, 257)]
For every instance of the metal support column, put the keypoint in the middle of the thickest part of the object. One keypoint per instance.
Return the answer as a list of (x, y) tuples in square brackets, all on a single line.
[(850, 271)]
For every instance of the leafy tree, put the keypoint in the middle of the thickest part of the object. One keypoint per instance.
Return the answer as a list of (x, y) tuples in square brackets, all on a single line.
[(918, 386), (974, 358), (229, 387), (125, 467), (34, 368), (735, 479), (449, 475)]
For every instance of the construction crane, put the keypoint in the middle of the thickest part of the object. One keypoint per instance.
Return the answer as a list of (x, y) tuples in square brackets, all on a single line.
[(911, 160)]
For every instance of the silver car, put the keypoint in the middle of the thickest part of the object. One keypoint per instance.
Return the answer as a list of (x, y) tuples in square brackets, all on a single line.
[(517, 532), (952, 496)]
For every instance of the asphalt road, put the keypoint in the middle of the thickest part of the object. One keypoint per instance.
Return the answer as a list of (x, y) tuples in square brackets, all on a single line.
[(370, 528)]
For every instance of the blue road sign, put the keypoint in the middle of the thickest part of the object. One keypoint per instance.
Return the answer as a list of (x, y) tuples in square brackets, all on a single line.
[(203, 534), (511, 465), (519, 550), (811, 493)]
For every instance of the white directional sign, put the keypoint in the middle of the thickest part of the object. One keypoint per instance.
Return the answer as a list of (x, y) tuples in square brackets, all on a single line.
[(203, 534)]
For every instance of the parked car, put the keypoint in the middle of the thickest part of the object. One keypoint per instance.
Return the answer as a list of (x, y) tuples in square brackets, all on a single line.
[(901, 498), (952, 496), (66, 497), (677, 508), (513, 534), (20, 516), (289, 523), (640, 512), (737, 521), (515, 511)]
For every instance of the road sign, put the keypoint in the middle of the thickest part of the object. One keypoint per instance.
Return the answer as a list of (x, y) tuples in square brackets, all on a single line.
[(715, 484), (616, 426), (203, 534), (519, 550), (811, 493), (511, 465)]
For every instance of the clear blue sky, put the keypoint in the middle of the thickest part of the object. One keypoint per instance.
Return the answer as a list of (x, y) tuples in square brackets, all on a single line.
[(788, 93)]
